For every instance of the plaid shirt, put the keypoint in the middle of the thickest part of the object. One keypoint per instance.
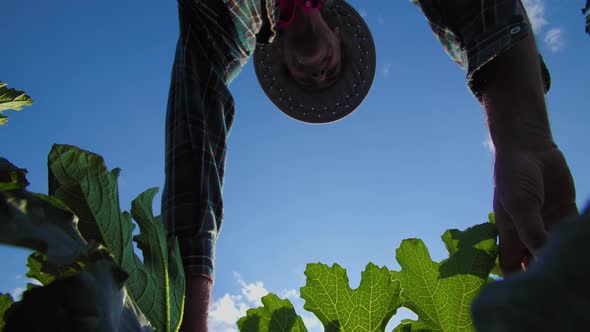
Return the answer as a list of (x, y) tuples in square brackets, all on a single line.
[(216, 39), (475, 32)]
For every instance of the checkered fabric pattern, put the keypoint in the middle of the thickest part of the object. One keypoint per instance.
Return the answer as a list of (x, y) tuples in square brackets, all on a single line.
[(216, 39), (473, 32)]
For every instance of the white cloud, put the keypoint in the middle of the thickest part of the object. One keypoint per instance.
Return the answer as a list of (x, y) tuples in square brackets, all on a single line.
[(16, 293), (380, 20), (228, 309), (489, 145), (363, 13), (225, 311), (554, 39), (290, 294), (386, 70), (253, 292), (34, 281), (311, 321), (536, 12)]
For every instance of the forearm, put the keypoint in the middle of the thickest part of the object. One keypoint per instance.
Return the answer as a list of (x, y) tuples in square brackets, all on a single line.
[(514, 100)]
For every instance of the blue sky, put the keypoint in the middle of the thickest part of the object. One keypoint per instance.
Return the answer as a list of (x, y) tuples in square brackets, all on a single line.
[(412, 161)]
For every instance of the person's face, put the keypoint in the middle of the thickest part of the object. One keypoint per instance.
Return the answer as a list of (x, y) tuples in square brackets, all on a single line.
[(312, 53)]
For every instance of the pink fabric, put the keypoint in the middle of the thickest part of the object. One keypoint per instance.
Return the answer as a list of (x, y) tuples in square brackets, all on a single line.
[(287, 9)]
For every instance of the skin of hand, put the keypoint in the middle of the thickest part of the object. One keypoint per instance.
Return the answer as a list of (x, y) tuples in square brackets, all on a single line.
[(311, 50), (534, 188)]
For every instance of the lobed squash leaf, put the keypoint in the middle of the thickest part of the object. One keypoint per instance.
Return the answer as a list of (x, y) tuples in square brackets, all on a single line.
[(275, 315), (367, 308), (441, 293)]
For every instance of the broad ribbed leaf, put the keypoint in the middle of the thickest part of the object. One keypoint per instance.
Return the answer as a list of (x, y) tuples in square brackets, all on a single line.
[(5, 302), (369, 307), (81, 180), (441, 293), (11, 99), (40, 223), (93, 300), (159, 260), (552, 295), (275, 316)]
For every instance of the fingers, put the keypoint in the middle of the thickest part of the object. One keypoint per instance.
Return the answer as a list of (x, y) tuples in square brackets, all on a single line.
[(511, 251)]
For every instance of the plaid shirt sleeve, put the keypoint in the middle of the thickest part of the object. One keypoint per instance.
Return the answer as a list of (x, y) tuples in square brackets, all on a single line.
[(216, 40), (474, 32)]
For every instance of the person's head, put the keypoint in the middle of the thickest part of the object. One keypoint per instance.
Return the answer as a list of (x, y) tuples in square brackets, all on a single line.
[(311, 50)]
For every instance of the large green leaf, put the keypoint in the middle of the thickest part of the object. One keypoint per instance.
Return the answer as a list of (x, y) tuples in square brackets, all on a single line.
[(275, 316), (11, 99), (81, 180), (5, 302), (367, 308), (87, 296), (441, 293), (552, 295), (162, 265), (93, 300), (40, 223)]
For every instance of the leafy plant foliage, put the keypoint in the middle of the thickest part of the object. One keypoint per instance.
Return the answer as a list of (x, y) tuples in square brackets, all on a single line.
[(5, 302), (439, 293), (89, 294), (368, 308), (275, 315), (92, 279), (81, 180), (11, 99)]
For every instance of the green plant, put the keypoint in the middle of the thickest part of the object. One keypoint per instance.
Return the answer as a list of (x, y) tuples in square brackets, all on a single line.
[(84, 258), (440, 293), (456, 294), (11, 99)]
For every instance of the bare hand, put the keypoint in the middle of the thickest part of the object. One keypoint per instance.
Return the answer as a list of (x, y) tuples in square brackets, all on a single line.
[(534, 191)]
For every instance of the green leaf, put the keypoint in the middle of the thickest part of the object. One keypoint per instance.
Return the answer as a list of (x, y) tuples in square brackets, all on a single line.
[(367, 308), (40, 223), (552, 295), (81, 180), (441, 293), (11, 99), (89, 300), (12, 177), (46, 273), (160, 259), (275, 316), (93, 300), (5, 302)]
